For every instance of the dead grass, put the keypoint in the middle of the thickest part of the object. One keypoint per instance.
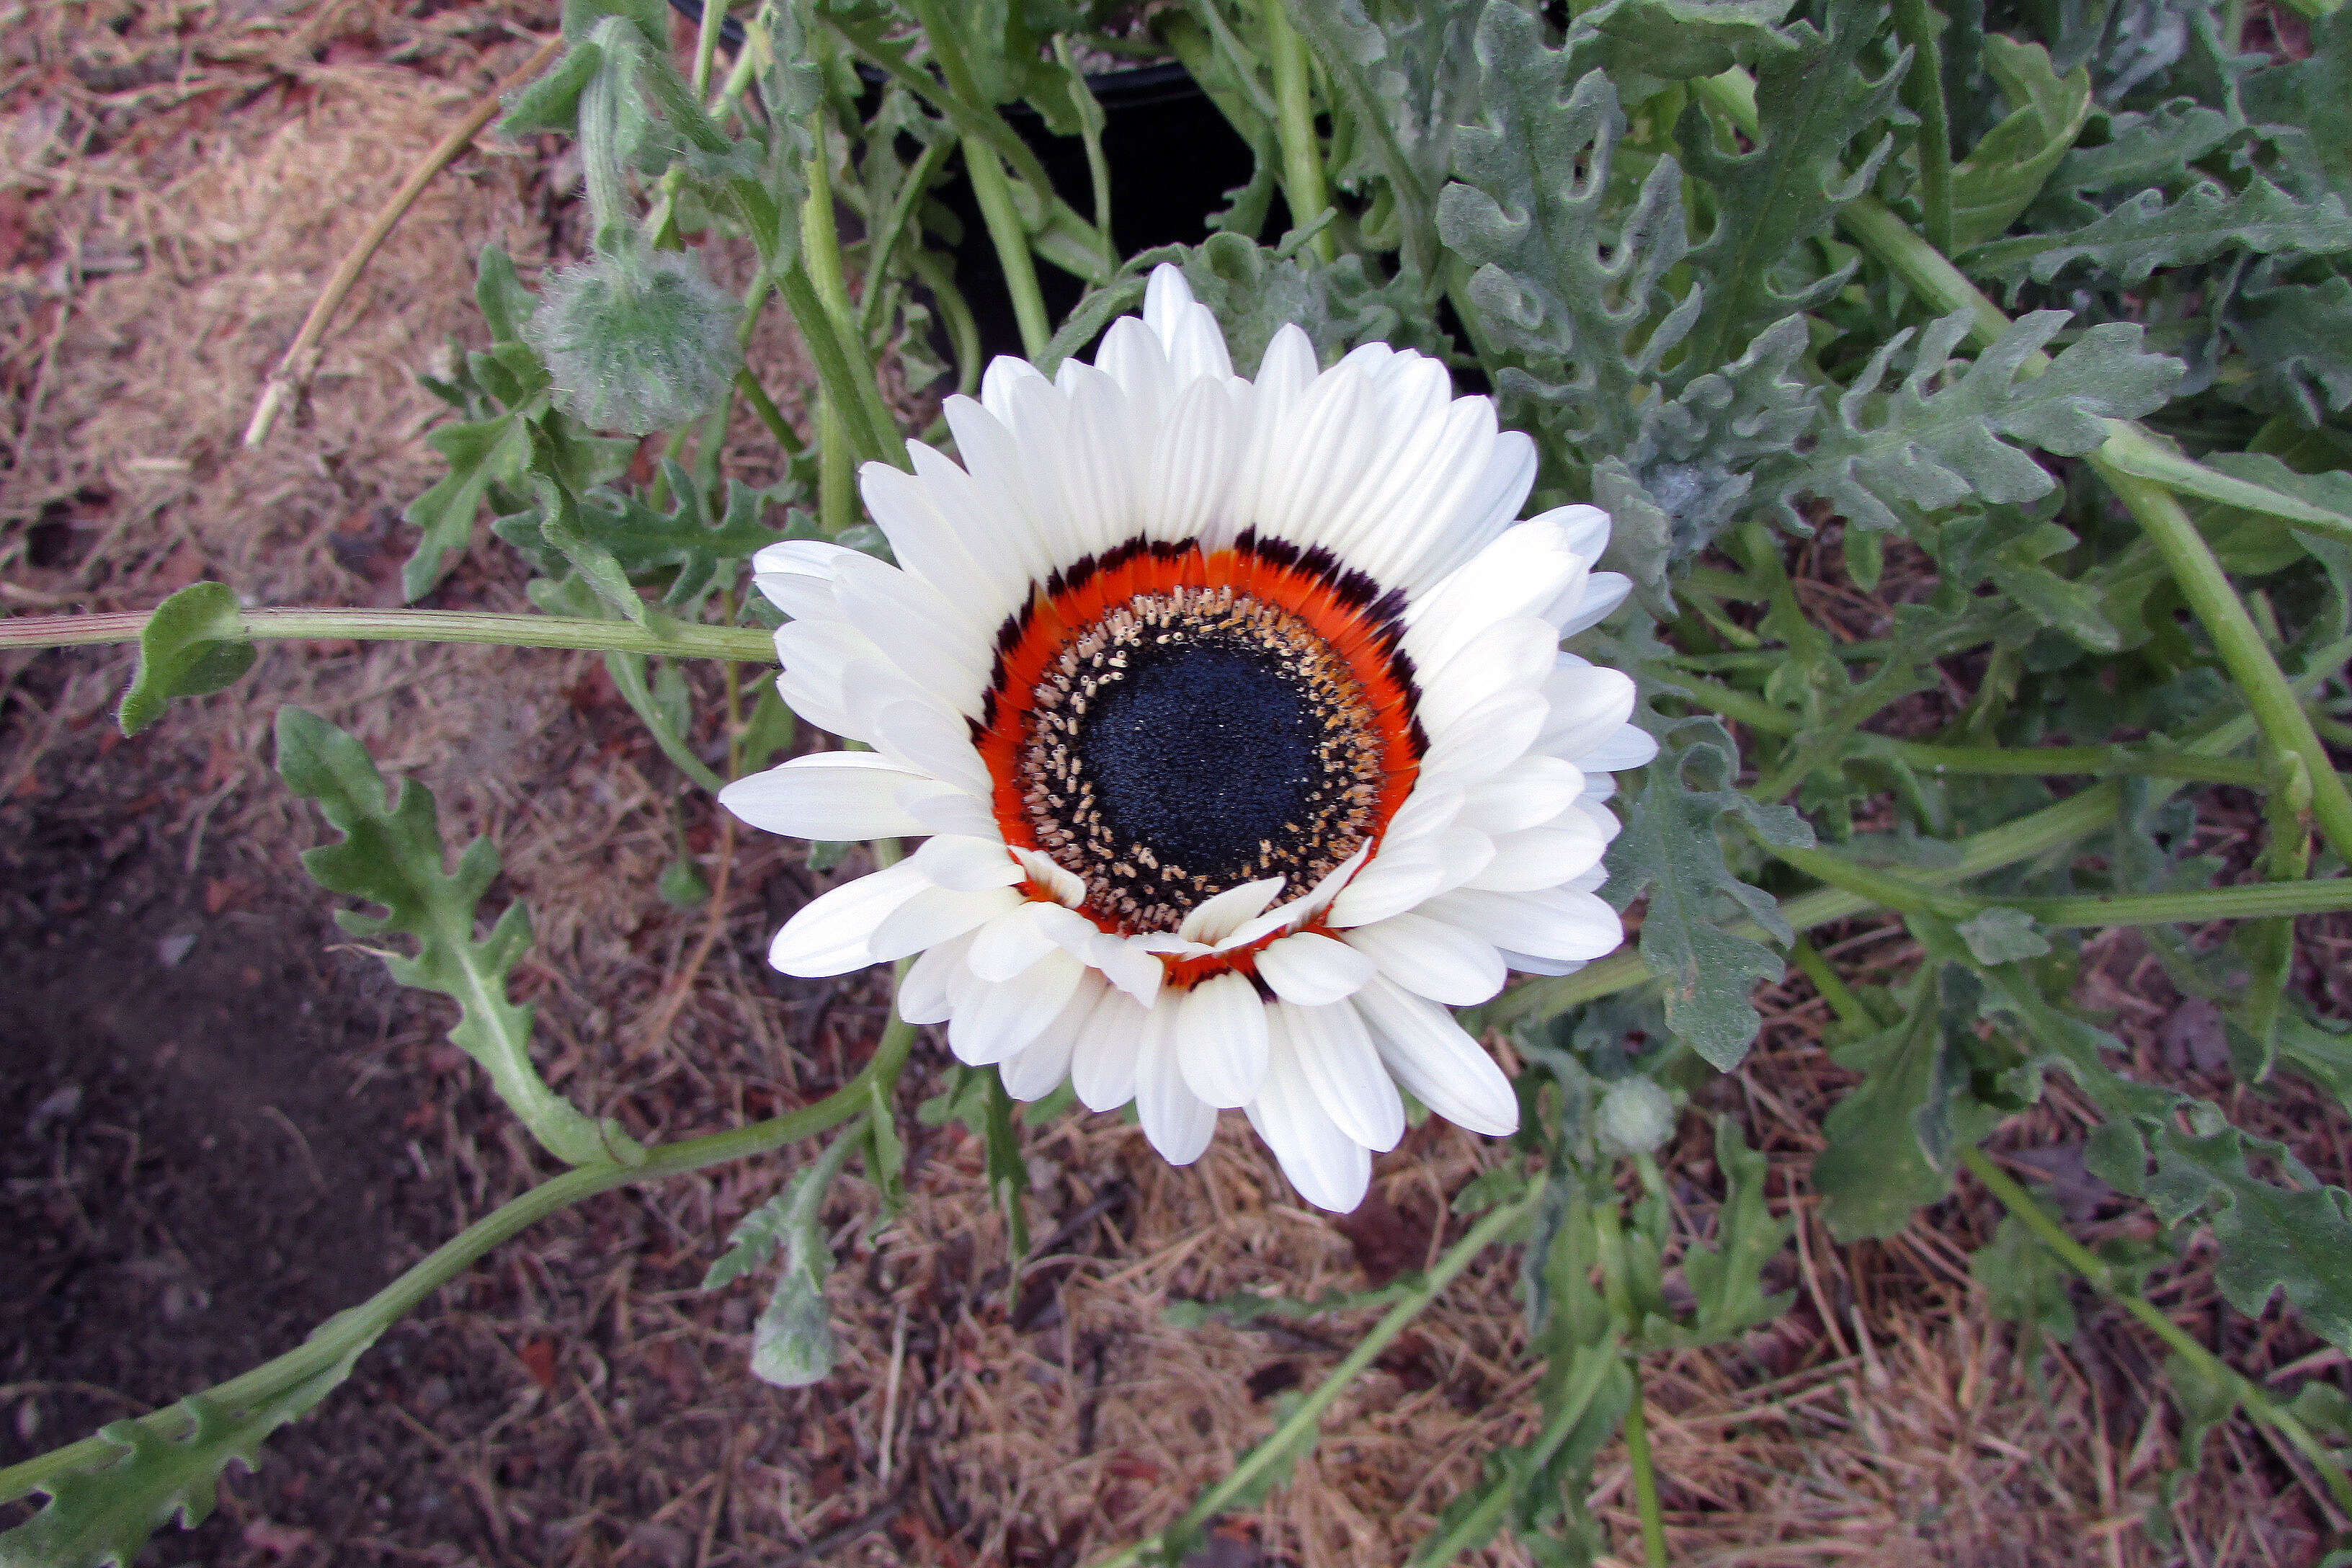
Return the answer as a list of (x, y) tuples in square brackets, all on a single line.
[(179, 174)]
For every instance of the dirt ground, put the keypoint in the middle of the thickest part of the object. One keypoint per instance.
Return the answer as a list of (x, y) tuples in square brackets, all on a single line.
[(219, 1122)]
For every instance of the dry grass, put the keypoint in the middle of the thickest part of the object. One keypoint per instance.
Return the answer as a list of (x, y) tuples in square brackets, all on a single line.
[(179, 174)]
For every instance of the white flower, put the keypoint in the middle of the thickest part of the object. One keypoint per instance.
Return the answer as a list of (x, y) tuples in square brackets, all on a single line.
[(1236, 715)]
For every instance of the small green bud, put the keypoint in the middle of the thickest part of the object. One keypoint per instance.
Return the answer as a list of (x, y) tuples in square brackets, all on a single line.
[(1636, 1117), (639, 343)]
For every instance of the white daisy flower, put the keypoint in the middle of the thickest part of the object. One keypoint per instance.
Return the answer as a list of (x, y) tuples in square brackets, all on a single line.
[(1236, 715)]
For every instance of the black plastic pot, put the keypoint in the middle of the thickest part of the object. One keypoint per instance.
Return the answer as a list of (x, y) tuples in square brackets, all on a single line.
[(1173, 158)]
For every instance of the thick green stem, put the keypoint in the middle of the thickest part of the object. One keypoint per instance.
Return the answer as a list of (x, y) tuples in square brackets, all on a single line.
[(2254, 900), (993, 192), (679, 639), (2202, 582), (844, 370), (2256, 1402), (349, 1331), (1923, 92), (1288, 1440), (1646, 1474), (1302, 156)]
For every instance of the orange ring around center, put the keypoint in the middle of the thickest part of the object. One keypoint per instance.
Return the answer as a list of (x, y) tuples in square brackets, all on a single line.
[(1363, 633)]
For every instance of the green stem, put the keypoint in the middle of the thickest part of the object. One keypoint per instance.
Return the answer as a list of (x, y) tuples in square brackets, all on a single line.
[(346, 1332), (994, 193), (769, 415), (2203, 583), (842, 370), (1646, 1474), (836, 478), (2256, 1402), (2255, 900), (1923, 91), (1302, 157), (706, 43), (680, 640), (1290, 1439)]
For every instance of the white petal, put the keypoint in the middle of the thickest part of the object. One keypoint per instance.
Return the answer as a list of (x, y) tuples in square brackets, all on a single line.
[(926, 736), (835, 795), (796, 575), (1194, 462), (1127, 965), (1531, 793), (1102, 1063), (918, 629), (1432, 959), (1541, 857), (943, 809), (1584, 528), (1213, 920), (1394, 882), (1065, 886), (1437, 1062), (1195, 346), (933, 915), (967, 865), (1010, 1015), (1178, 1122), (1312, 971), (1527, 963), (1508, 657), (830, 934), (1336, 1055), (1556, 924), (1487, 740), (1603, 592), (913, 511), (1039, 1067), (1588, 704), (1628, 747), (1220, 1039), (1010, 942), (924, 995), (1329, 1169)]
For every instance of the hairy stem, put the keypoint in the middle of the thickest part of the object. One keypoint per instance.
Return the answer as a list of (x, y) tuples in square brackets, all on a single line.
[(679, 639), (1302, 158), (2256, 1402), (347, 1331)]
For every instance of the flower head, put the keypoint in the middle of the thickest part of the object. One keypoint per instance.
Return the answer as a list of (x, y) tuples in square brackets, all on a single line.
[(640, 342), (1236, 715)]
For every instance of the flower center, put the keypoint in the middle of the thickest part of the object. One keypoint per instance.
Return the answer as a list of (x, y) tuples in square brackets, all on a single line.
[(1168, 724)]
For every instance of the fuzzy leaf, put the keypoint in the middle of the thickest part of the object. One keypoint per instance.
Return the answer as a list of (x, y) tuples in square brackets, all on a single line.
[(1813, 105), (1700, 454), (1679, 40), (1727, 1280), (2144, 233), (2023, 1281), (193, 645), (2004, 171), (2143, 150), (1891, 1138), (1933, 450), (2273, 1241), (552, 103), (1552, 281), (792, 1343), (2314, 95), (2003, 935), (104, 1515), (2298, 338), (391, 855), (1670, 848), (479, 453)]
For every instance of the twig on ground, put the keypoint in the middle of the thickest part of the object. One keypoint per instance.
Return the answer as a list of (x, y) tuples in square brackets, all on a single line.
[(301, 357)]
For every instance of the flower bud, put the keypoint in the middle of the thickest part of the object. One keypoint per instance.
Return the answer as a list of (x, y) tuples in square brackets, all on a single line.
[(1637, 1116), (639, 342)]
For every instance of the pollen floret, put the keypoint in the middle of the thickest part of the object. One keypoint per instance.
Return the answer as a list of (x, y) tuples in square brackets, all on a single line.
[(1235, 713)]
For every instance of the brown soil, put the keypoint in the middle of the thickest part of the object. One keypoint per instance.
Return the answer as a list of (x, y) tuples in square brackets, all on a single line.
[(266, 1129)]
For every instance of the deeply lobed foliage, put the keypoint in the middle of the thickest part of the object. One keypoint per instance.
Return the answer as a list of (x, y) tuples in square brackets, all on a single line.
[(1723, 257)]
